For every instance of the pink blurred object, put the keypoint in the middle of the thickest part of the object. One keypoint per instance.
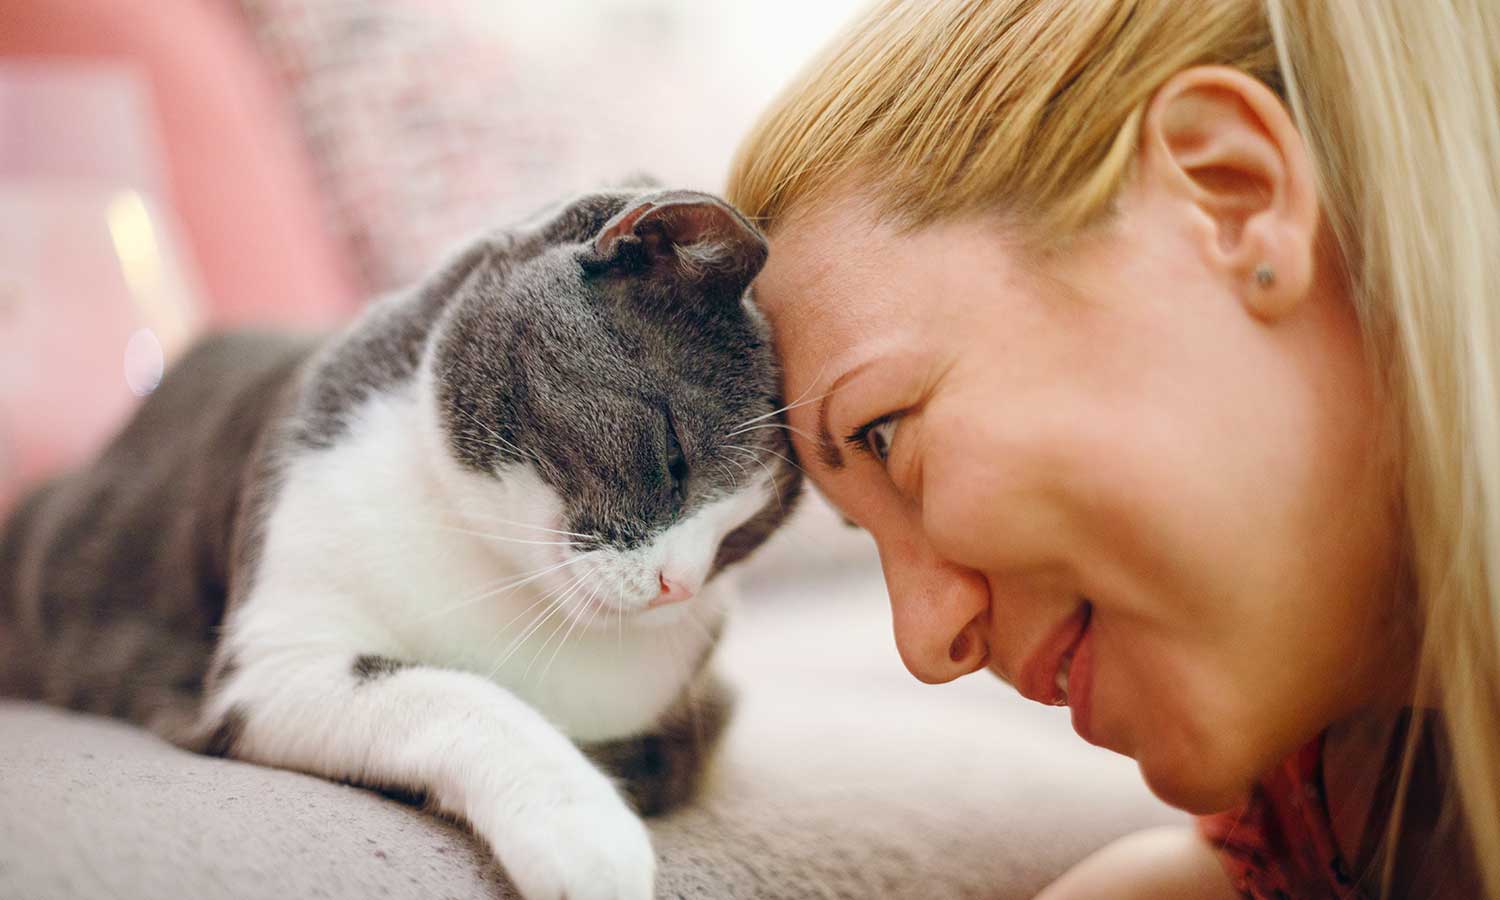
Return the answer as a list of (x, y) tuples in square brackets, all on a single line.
[(95, 298)]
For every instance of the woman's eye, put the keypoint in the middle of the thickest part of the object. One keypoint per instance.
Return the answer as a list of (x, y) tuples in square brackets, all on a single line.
[(874, 438), (879, 439)]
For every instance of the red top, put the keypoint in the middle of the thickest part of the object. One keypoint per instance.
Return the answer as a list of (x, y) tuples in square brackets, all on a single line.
[(1280, 844)]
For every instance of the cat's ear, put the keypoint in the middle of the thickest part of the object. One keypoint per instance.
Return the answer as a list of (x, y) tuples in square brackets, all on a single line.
[(683, 234)]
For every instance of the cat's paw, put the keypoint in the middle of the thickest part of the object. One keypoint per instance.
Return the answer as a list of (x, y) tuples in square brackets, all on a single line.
[(596, 850)]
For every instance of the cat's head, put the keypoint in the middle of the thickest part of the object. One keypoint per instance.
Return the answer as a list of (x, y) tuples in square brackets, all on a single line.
[(609, 400)]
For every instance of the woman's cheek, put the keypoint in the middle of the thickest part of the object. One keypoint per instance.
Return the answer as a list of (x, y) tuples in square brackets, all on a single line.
[(865, 495)]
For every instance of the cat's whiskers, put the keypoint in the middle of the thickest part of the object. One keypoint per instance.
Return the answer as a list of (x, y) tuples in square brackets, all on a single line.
[(480, 441), (416, 527), (765, 467), (555, 593), (496, 588), (440, 511), (800, 401), (769, 426), (576, 619), (504, 444), (491, 517), (515, 645), (741, 466), (489, 535), (538, 602), (757, 458), (546, 598), (561, 606), (569, 622), (735, 481), (542, 620)]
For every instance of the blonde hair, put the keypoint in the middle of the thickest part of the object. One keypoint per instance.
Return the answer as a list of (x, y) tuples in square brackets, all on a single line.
[(1031, 108)]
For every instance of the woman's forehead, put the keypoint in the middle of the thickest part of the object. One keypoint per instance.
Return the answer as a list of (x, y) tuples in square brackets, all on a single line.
[(819, 305), (841, 284), (837, 277), (822, 256)]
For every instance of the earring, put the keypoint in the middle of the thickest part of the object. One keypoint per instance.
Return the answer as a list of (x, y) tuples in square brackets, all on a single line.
[(1265, 276)]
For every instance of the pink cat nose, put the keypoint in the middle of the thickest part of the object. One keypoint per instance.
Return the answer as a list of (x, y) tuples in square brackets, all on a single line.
[(672, 591)]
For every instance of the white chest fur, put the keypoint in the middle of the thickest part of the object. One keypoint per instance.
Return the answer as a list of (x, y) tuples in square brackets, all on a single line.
[(367, 551)]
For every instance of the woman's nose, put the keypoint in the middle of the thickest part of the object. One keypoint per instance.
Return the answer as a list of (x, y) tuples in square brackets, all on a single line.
[(940, 612)]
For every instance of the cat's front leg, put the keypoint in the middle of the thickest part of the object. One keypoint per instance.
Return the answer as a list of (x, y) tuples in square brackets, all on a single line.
[(557, 824), (663, 767)]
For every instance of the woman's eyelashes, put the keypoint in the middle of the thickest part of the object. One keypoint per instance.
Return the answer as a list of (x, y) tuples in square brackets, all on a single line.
[(874, 438)]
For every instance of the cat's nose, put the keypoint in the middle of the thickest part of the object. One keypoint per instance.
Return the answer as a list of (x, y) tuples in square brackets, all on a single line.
[(672, 591)]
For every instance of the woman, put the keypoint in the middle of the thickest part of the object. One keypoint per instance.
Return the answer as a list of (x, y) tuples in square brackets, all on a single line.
[(1157, 344)]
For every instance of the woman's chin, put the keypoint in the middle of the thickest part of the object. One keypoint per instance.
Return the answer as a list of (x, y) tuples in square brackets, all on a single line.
[(1198, 783)]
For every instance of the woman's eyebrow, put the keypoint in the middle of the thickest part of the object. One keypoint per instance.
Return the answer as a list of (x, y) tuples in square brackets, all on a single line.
[(829, 453), (828, 448)]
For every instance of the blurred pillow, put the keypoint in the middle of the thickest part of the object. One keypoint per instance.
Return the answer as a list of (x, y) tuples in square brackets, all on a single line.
[(429, 119)]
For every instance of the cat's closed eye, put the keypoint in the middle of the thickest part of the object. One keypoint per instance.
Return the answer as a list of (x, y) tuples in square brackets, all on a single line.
[(677, 463)]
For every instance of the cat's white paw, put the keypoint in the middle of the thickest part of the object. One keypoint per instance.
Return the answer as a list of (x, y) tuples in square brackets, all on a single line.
[(597, 850)]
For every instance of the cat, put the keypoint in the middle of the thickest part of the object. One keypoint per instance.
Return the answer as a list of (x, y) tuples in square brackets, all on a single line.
[(464, 550)]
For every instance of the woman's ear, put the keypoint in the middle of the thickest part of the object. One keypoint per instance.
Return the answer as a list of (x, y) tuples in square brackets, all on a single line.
[(1224, 151)]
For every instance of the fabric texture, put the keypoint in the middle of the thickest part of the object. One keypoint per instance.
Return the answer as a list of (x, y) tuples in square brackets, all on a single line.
[(841, 777), (1280, 843)]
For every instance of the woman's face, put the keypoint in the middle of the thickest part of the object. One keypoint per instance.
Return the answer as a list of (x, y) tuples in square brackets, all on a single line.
[(1101, 476)]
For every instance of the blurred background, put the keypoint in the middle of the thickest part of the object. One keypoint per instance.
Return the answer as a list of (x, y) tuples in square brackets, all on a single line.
[(173, 166)]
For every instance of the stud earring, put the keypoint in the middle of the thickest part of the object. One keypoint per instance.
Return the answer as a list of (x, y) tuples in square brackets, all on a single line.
[(1265, 276)]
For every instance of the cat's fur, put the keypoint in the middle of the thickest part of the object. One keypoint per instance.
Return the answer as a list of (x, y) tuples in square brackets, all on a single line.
[(418, 555)]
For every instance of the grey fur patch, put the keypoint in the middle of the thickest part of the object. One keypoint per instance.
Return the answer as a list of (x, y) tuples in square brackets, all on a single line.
[(786, 491), (368, 667), (384, 349), (581, 360), (664, 768), (226, 735), (117, 577)]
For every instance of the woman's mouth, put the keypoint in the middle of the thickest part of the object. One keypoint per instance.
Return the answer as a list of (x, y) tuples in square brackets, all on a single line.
[(1078, 680), (1050, 672), (1062, 677)]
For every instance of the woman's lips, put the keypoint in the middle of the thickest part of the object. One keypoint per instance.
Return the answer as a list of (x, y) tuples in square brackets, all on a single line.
[(1079, 689), (1049, 672)]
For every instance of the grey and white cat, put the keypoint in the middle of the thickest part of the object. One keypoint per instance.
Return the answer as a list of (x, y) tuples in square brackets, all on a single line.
[(441, 552)]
